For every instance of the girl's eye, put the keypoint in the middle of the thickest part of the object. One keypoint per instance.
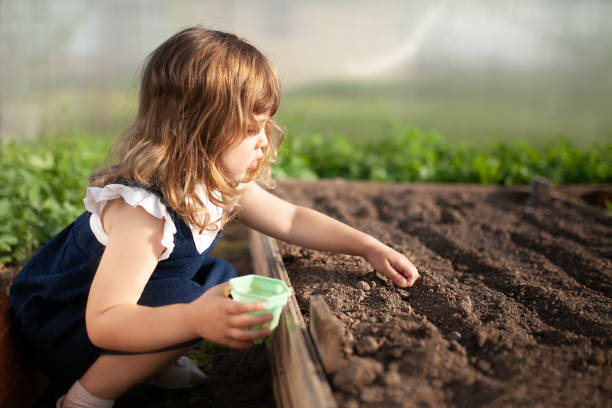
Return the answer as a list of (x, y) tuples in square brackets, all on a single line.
[(255, 128)]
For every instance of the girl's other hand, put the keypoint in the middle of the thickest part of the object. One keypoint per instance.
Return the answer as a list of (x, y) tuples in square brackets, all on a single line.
[(225, 321), (392, 264)]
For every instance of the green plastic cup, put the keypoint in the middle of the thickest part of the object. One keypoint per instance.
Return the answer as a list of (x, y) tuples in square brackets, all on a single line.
[(256, 288)]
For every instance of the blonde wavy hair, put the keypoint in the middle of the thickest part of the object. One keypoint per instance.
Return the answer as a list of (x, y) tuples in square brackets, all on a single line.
[(200, 92)]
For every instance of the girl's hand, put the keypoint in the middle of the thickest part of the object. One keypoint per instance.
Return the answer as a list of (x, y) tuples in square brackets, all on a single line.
[(392, 264), (224, 321)]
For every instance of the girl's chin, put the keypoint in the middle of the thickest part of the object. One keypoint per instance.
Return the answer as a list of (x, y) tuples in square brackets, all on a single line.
[(238, 178)]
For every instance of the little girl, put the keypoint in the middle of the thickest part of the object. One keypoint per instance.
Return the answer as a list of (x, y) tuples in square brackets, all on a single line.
[(117, 296)]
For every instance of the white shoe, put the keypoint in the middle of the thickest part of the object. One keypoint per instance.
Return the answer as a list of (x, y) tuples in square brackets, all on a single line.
[(180, 374)]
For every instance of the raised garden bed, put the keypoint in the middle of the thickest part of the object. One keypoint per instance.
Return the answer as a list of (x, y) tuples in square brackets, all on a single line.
[(513, 307)]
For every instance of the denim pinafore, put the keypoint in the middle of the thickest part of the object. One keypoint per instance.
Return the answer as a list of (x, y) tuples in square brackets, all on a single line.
[(49, 295)]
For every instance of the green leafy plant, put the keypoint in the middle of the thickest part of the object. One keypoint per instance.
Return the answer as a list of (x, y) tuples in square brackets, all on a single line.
[(42, 184), (411, 155)]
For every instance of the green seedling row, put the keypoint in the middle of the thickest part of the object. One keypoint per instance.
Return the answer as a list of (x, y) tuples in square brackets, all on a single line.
[(414, 156), (42, 184)]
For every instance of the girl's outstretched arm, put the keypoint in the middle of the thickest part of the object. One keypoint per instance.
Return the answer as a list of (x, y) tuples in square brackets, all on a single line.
[(309, 228), (115, 321)]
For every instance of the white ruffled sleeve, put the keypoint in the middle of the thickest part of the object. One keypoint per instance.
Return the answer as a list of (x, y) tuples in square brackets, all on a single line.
[(203, 240), (97, 197)]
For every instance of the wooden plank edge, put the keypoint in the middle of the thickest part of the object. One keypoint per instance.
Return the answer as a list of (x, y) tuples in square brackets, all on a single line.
[(543, 191), (298, 376), (326, 333)]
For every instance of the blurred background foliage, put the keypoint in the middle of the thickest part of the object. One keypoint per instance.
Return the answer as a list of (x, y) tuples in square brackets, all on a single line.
[(474, 91), (473, 71)]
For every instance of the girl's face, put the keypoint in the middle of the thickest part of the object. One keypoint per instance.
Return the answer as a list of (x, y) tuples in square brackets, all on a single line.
[(237, 160)]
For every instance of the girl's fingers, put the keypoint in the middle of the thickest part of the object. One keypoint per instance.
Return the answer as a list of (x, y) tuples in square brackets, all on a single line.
[(242, 335), (219, 289), (235, 307), (395, 276), (246, 321), (406, 269)]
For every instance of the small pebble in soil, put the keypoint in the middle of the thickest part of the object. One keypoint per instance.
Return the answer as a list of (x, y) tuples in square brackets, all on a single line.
[(455, 346), (392, 378), (360, 295), (403, 293), (484, 365), (358, 373), (373, 394), (450, 216), (344, 402), (334, 302), (367, 345), (396, 396), (363, 286), (598, 357), (480, 335), (456, 336), (607, 383), (466, 305)]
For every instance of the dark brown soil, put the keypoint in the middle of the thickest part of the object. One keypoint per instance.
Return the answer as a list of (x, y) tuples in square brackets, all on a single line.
[(512, 309), (236, 379)]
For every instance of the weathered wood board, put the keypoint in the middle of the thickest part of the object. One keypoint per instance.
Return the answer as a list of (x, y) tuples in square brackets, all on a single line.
[(298, 376)]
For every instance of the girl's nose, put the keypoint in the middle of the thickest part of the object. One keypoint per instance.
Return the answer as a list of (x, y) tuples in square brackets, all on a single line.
[(263, 138)]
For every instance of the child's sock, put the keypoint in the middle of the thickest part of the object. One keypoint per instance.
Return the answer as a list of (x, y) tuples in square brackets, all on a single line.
[(181, 374), (79, 397)]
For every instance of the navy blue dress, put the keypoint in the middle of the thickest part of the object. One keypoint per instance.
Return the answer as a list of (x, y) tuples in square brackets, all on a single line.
[(49, 295)]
